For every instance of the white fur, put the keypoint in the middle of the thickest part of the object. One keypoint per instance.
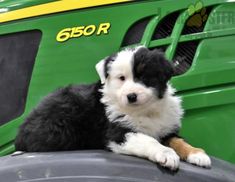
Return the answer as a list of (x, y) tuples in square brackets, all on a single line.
[(199, 159), (150, 115), (156, 119), (100, 70), (141, 145)]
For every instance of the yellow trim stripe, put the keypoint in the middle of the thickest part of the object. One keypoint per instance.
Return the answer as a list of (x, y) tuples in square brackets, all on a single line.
[(54, 7)]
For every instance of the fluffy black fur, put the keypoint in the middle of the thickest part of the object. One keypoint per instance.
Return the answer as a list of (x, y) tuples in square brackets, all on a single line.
[(64, 120), (73, 117)]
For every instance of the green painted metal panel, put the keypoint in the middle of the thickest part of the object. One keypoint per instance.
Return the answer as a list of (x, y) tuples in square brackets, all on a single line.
[(213, 129), (11, 5), (207, 88)]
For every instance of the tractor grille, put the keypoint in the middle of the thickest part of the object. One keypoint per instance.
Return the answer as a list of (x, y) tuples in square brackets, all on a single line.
[(183, 55)]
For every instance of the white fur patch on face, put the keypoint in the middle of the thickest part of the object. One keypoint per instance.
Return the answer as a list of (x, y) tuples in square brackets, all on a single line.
[(199, 159), (141, 145), (120, 84), (143, 94)]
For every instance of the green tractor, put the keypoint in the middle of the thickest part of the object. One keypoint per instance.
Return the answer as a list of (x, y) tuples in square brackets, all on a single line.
[(46, 44)]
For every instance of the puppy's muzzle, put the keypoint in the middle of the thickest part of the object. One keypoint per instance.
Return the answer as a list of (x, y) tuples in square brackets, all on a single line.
[(132, 98)]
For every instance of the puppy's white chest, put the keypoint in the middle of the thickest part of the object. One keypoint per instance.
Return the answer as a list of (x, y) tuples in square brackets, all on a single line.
[(155, 127)]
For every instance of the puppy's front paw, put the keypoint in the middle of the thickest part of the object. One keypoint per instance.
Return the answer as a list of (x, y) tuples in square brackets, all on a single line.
[(199, 159), (167, 157)]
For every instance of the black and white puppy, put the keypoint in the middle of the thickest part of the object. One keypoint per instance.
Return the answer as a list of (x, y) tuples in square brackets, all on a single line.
[(132, 111)]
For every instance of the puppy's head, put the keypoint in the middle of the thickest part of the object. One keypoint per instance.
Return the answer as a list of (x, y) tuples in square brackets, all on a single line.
[(134, 77)]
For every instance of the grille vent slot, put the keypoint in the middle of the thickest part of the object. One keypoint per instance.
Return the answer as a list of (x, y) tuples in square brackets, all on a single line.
[(184, 56), (196, 23), (165, 27), (160, 48), (135, 32), (18, 52)]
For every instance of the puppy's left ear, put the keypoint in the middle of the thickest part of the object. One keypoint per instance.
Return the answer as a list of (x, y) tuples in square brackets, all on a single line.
[(167, 69), (100, 70)]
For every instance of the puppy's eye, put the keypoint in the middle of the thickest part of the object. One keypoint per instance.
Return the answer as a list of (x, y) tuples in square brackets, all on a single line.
[(122, 78)]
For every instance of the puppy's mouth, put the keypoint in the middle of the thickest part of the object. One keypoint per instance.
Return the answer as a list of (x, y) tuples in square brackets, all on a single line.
[(134, 104)]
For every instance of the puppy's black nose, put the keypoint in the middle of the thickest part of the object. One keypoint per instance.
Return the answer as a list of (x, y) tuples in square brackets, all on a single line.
[(132, 97)]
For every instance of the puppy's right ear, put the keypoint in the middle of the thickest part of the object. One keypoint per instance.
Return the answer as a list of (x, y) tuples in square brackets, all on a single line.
[(100, 68), (103, 67)]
